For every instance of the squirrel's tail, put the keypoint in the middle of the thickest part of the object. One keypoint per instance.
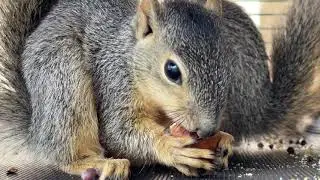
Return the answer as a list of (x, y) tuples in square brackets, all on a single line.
[(296, 64), (17, 19)]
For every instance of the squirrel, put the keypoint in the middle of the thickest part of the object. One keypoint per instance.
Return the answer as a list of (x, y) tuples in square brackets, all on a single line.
[(84, 78)]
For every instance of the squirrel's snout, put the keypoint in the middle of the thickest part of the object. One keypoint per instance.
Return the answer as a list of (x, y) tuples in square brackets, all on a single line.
[(207, 127), (205, 132)]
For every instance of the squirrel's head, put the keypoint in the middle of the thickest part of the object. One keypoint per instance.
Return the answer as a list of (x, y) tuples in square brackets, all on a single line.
[(180, 62)]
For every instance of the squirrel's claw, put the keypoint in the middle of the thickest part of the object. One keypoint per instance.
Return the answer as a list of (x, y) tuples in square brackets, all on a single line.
[(187, 170)]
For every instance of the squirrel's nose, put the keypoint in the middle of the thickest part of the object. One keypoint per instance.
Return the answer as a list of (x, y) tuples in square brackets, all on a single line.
[(203, 133)]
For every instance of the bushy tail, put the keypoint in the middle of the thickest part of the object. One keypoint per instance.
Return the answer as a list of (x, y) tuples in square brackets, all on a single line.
[(296, 63), (17, 19)]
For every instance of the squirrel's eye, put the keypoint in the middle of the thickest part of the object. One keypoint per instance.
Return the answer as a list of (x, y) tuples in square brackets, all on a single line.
[(172, 72)]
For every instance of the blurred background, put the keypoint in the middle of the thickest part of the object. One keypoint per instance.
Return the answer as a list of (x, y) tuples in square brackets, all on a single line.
[(267, 14)]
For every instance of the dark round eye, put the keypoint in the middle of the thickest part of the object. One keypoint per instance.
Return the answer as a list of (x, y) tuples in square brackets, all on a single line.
[(172, 72)]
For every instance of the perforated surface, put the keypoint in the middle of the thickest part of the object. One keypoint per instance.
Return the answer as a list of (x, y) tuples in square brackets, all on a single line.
[(243, 165), (246, 165)]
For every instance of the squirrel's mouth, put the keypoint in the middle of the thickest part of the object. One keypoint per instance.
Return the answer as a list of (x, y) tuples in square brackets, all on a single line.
[(179, 131)]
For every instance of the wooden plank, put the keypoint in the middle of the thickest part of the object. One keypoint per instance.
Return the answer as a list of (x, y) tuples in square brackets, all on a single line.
[(274, 8), (267, 35), (270, 8), (269, 15)]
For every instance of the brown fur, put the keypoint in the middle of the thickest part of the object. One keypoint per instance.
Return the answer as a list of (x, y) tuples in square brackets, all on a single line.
[(86, 140), (108, 167), (215, 5)]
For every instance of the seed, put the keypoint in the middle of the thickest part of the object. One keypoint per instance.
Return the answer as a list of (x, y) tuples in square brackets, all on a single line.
[(271, 146), (309, 159), (303, 142), (260, 145), (290, 150), (12, 171)]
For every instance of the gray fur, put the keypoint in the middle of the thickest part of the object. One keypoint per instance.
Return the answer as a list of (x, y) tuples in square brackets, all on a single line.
[(296, 55), (78, 46), (199, 43), (17, 18)]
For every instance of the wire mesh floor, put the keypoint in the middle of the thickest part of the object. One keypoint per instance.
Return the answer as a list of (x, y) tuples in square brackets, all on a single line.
[(243, 165)]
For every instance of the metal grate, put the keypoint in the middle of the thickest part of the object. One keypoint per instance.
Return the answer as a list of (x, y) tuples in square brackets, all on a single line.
[(247, 165), (243, 165)]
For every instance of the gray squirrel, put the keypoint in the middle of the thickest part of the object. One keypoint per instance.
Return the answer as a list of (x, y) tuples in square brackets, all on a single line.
[(83, 78)]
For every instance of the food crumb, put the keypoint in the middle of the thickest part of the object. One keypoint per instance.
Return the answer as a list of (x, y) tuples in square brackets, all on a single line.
[(171, 176), (12, 171), (309, 159), (290, 150), (271, 146), (281, 141), (260, 145)]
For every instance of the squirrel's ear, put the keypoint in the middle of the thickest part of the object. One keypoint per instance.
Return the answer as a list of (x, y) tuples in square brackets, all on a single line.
[(215, 5), (145, 22)]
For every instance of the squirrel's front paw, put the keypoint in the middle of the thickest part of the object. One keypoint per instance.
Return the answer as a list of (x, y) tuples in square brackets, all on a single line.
[(172, 151), (221, 144), (223, 150)]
